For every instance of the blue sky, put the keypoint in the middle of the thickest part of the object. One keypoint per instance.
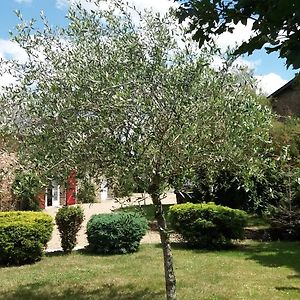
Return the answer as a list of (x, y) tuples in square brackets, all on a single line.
[(268, 68)]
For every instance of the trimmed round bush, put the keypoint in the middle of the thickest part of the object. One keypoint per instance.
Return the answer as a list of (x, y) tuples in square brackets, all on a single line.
[(116, 233), (207, 225), (23, 236), (68, 220)]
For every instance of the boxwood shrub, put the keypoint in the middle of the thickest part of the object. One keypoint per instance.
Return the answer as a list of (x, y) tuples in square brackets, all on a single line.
[(23, 236), (207, 225), (116, 233), (68, 220)]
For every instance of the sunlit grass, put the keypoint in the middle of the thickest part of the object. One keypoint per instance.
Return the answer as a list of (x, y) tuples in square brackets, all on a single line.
[(251, 271)]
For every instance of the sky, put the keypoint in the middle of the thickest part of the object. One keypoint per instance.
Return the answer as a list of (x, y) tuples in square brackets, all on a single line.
[(270, 71)]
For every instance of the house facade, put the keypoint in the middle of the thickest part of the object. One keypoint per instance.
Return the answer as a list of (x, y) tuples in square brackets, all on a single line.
[(57, 195), (286, 100)]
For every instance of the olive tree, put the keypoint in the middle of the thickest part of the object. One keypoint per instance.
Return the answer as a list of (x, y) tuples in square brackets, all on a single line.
[(118, 93)]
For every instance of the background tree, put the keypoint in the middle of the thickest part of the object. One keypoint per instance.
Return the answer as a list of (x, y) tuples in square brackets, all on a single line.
[(275, 23), (114, 94)]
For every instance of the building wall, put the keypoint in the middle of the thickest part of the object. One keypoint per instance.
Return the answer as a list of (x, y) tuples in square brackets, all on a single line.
[(287, 103)]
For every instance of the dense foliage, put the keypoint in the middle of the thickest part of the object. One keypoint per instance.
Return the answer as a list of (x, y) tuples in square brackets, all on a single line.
[(253, 195), (116, 233), (286, 132), (207, 225), (256, 193), (26, 188), (274, 22), (68, 220), (284, 217), (86, 192), (285, 221), (23, 236)]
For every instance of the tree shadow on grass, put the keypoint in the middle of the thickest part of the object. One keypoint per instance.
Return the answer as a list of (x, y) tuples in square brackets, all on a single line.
[(84, 251), (182, 245), (288, 289), (40, 291), (268, 254), (276, 254), (55, 253)]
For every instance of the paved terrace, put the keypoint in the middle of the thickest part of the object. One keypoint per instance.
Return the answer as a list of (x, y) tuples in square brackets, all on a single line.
[(106, 206)]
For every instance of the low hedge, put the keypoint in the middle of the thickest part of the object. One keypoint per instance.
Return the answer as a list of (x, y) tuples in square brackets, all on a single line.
[(23, 235), (207, 225), (116, 232)]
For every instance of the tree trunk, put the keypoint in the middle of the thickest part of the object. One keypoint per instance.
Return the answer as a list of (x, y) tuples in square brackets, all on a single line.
[(170, 279)]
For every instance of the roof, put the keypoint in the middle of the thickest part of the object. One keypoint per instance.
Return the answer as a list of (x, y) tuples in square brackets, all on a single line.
[(282, 89)]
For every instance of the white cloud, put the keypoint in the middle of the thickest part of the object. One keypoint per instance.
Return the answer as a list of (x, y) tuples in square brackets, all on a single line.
[(218, 62), (11, 50), (6, 79), (61, 4), (23, 1), (269, 83), (250, 64), (241, 33), (161, 6)]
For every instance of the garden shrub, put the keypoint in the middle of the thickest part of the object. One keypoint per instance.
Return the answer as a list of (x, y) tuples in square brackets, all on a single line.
[(23, 235), (68, 220), (26, 188), (231, 189), (116, 232), (207, 225), (86, 192), (285, 219)]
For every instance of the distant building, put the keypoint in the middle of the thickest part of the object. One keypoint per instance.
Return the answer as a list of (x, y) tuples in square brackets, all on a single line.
[(58, 195), (286, 100)]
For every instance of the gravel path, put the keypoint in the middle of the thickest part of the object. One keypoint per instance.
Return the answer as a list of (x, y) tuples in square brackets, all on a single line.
[(97, 208)]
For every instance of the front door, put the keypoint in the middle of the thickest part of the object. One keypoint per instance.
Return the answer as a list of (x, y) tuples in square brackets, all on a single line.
[(49, 196), (53, 195)]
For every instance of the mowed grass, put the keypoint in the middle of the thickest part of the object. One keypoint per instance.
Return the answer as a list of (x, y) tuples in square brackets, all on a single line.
[(251, 271)]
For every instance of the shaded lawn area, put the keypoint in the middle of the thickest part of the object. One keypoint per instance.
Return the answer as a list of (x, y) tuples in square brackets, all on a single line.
[(251, 271)]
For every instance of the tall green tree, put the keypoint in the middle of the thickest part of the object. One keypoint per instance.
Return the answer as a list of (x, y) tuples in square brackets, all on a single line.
[(275, 24), (115, 94)]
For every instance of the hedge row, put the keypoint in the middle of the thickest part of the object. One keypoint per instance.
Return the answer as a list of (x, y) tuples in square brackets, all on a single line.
[(23, 235)]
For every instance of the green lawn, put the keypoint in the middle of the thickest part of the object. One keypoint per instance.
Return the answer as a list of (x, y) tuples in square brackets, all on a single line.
[(251, 271)]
